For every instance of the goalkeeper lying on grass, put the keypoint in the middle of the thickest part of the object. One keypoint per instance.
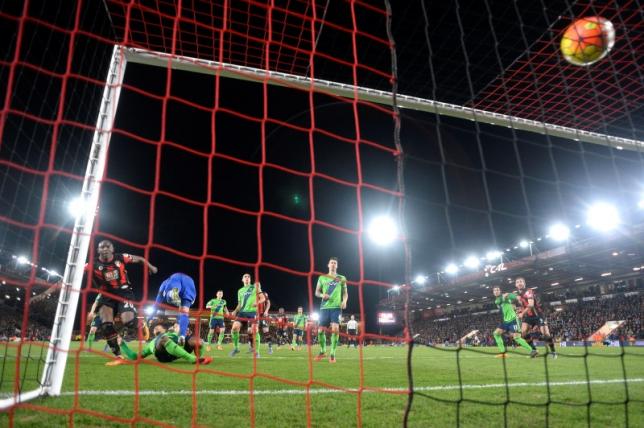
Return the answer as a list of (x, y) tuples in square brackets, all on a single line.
[(166, 349)]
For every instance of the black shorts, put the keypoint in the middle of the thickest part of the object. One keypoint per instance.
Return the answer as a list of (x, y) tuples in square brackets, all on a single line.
[(534, 321), (264, 324), (352, 332), (119, 306), (280, 332)]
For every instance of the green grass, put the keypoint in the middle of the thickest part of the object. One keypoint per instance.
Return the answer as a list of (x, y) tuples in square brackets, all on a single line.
[(222, 398)]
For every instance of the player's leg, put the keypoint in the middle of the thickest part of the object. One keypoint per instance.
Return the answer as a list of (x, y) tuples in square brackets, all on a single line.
[(545, 332), (498, 338), (253, 332), (92, 334), (526, 333), (234, 333), (267, 335), (211, 333), (335, 337), (106, 312), (222, 332), (183, 319), (515, 329), (324, 323)]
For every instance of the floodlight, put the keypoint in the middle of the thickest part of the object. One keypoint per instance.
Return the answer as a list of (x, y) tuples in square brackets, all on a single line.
[(471, 262), (451, 268), (22, 260), (524, 244), (493, 255), (603, 217), (149, 310), (396, 287), (315, 316), (382, 230), (559, 232), (420, 279), (78, 207)]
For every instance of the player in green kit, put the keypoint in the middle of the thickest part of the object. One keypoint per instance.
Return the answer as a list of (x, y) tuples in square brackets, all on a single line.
[(248, 297), (332, 289), (165, 347), (510, 322), (217, 308), (299, 324)]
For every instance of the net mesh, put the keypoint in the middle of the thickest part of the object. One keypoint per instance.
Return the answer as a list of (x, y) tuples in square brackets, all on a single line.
[(217, 174)]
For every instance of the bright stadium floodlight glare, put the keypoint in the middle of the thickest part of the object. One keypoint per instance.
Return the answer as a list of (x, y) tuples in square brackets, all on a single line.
[(471, 262), (22, 260), (559, 232), (493, 255), (382, 230), (451, 268), (420, 279), (603, 217), (149, 310), (524, 244), (78, 207), (315, 316), (396, 287)]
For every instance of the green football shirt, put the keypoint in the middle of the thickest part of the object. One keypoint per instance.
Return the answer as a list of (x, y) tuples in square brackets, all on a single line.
[(299, 321), (217, 307), (505, 305), (246, 297), (334, 287)]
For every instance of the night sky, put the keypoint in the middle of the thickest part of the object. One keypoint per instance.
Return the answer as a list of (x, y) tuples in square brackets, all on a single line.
[(470, 187)]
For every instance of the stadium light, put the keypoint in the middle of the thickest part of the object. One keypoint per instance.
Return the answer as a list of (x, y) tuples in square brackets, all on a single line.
[(315, 316), (149, 310), (420, 279), (559, 232), (382, 230), (603, 217), (451, 268), (493, 255), (22, 260), (396, 287), (78, 206), (471, 262)]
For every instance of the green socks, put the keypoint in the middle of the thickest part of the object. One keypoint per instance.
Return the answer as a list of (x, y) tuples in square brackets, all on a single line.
[(209, 338), (90, 339), (177, 351), (258, 339), (322, 341), (220, 339), (125, 350), (521, 341), (235, 335), (334, 342), (499, 342)]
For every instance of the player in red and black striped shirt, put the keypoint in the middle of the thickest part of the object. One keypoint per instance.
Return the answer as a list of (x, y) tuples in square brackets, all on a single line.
[(532, 316), (263, 307), (282, 324), (109, 275)]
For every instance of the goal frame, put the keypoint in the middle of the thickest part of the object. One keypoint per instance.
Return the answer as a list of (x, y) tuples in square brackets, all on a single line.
[(59, 345)]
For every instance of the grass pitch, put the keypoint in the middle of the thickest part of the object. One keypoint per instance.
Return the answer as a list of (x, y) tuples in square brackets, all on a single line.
[(469, 388)]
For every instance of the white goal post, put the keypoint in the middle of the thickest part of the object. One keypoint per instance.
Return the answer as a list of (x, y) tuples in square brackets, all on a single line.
[(59, 345)]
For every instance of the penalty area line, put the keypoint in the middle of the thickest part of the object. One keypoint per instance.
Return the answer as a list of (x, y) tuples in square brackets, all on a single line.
[(302, 391)]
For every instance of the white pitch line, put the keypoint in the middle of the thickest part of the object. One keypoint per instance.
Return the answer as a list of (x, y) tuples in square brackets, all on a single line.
[(302, 391)]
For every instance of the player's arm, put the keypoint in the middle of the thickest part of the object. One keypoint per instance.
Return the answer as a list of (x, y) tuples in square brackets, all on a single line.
[(268, 306), (139, 259), (318, 291), (210, 304), (345, 294), (239, 302), (92, 311)]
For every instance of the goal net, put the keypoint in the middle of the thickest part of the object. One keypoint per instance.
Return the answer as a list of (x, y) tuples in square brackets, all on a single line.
[(224, 138)]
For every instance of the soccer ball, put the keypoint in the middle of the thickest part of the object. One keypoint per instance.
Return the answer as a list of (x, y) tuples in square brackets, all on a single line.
[(587, 40)]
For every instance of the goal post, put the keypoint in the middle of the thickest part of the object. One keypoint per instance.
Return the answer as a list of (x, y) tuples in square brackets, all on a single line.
[(72, 280), (185, 63)]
